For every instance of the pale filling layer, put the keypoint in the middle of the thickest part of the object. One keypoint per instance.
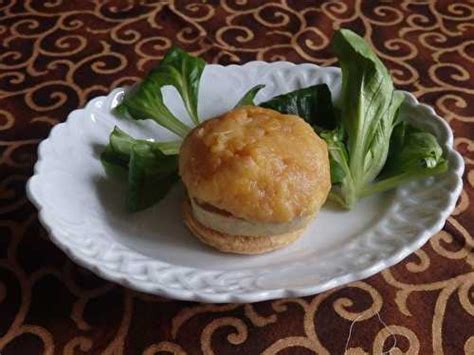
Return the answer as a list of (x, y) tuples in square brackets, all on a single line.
[(229, 224)]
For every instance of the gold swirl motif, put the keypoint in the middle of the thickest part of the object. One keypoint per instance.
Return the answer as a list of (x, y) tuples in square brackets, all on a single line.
[(58, 97), (417, 22), (394, 330), (70, 23), (8, 158), (469, 345), (469, 144), (128, 36), (236, 338), (336, 10), (458, 12), (228, 7), (194, 9), (278, 12), (384, 12), (226, 56), (423, 265), (66, 45), (459, 102), (341, 304), (78, 343), (310, 43), (165, 346), (12, 78), (6, 120), (395, 44), (125, 80), (245, 35), (290, 342), (463, 203), (355, 351), (462, 253), (470, 177), (188, 313), (187, 35), (257, 319), (461, 75), (18, 28), (117, 344), (466, 291)]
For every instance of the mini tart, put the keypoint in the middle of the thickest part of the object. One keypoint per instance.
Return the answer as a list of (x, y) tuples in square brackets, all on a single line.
[(254, 178)]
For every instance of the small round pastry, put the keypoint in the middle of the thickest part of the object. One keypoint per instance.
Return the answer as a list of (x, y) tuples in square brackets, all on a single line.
[(254, 178)]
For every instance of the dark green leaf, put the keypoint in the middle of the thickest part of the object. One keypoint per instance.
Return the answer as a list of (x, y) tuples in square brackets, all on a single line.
[(339, 165), (337, 172), (116, 154), (151, 167), (113, 163), (247, 99), (397, 138), (121, 143), (313, 104), (151, 176), (120, 146)]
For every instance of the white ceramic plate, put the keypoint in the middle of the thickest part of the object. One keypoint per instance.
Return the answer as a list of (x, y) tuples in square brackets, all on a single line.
[(152, 251)]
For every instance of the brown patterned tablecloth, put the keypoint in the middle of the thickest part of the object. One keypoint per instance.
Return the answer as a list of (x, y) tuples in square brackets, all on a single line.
[(55, 55)]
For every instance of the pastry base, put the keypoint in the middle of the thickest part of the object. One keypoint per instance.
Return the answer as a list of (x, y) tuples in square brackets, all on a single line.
[(238, 244)]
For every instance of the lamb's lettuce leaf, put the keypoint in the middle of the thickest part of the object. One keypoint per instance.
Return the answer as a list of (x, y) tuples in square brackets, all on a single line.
[(151, 167), (145, 100), (338, 156), (369, 107), (151, 175), (372, 150), (413, 154), (249, 96), (116, 154), (313, 104), (183, 71)]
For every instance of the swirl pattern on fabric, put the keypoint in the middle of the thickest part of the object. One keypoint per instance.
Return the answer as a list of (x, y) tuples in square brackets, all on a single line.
[(55, 55)]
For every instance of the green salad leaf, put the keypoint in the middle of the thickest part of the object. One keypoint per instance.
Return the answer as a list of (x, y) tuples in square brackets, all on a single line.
[(182, 71), (116, 154), (145, 100), (249, 96), (371, 150), (338, 156), (151, 175), (151, 167), (313, 104), (368, 113), (413, 154)]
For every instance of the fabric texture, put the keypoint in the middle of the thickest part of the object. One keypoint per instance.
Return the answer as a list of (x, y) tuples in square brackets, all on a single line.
[(55, 55)]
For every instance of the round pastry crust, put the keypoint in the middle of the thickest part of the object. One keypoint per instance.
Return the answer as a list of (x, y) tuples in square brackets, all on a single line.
[(257, 164)]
